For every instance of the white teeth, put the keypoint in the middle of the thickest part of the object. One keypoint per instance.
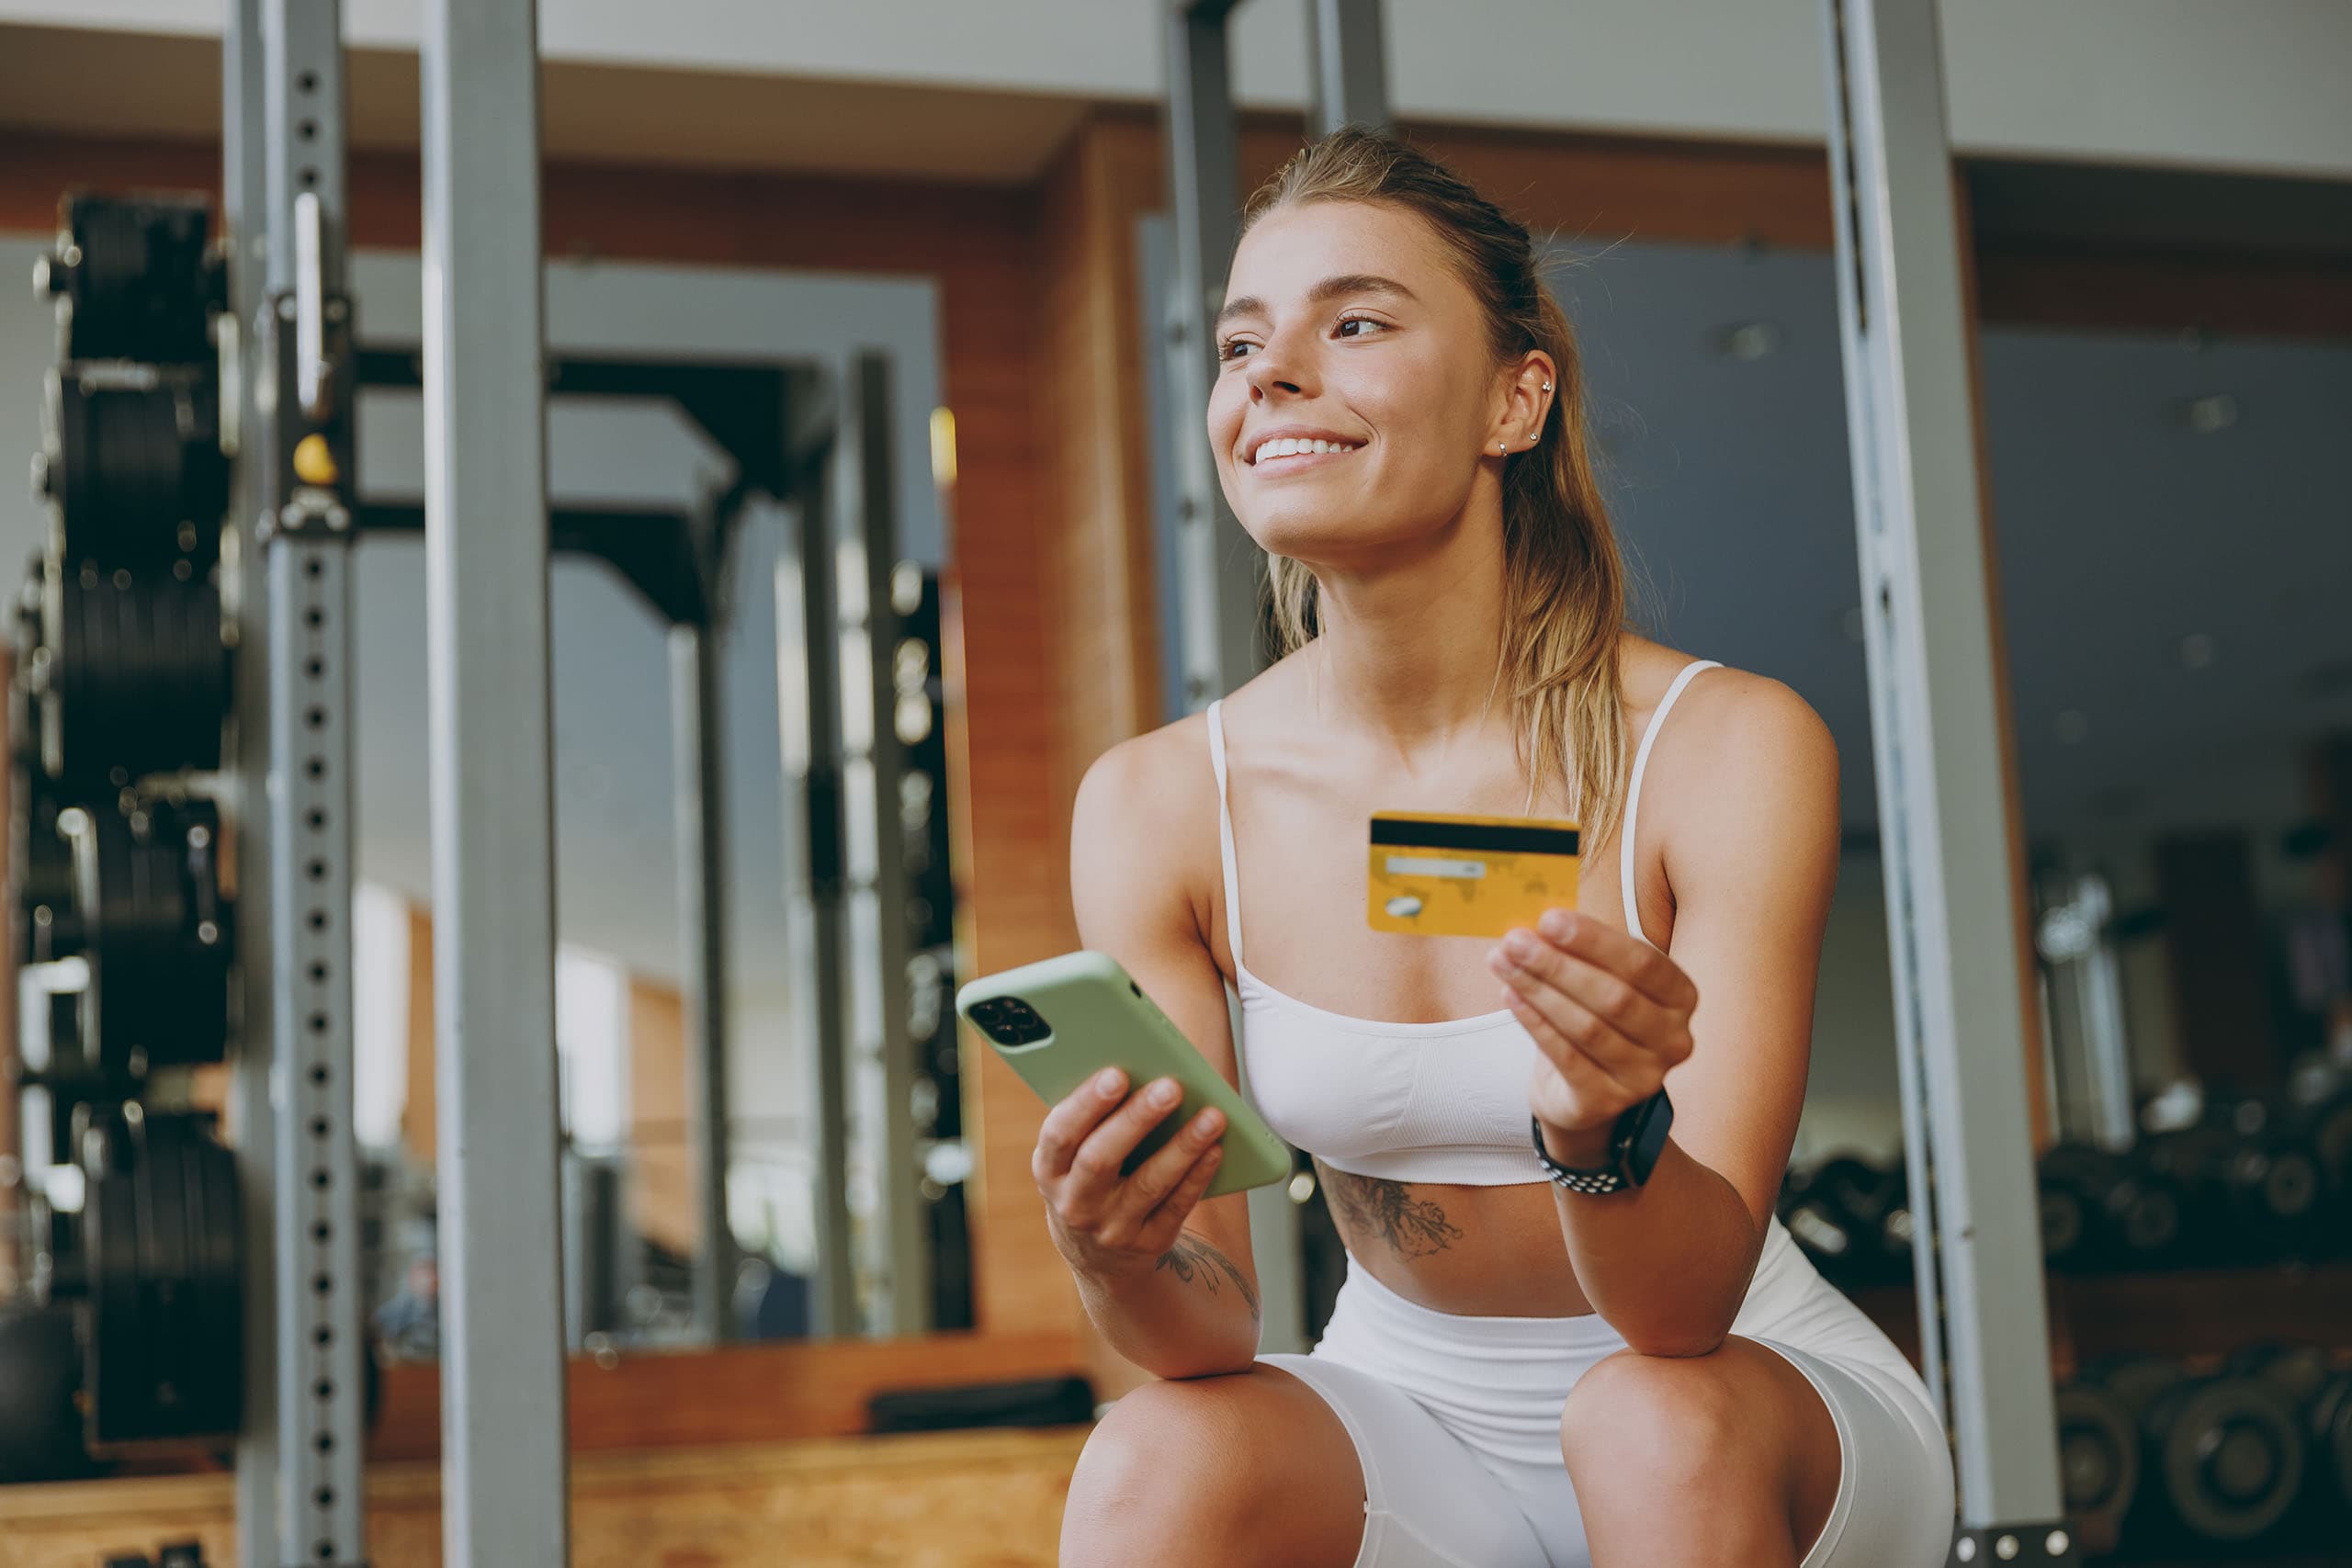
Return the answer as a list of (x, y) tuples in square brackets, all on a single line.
[(1291, 446)]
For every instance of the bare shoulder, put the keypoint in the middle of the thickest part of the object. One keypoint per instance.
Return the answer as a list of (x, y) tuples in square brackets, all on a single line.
[(1734, 725), (1137, 825)]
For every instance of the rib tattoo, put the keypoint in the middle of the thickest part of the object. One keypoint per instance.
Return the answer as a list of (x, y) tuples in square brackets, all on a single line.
[(1192, 1256), (1413, 1227)]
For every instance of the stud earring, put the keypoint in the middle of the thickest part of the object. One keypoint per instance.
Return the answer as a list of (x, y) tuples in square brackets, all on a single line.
[(1548, 386)]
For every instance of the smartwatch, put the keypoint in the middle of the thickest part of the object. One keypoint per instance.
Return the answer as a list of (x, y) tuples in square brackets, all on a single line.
[(1635, 1143)]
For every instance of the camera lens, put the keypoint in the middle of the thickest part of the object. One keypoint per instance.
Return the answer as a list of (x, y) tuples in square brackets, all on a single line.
[(1009, 1020)]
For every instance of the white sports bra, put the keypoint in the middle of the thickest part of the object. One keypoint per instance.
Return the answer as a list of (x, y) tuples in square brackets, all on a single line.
[(1442, 1102)]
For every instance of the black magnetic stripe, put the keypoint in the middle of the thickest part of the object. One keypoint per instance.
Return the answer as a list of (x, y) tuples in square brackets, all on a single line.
[(1499, 840)]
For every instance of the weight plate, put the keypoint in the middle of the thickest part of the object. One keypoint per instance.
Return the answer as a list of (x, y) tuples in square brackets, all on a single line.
[(115, 1358), (217, 1277), (160, 1183), (140, 681), (145, 283), (2098, 1457), (2230, 1457)]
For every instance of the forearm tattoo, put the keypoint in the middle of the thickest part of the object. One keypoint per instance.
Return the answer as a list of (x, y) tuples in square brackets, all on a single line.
[(1413, 1227), (1190, 1256)]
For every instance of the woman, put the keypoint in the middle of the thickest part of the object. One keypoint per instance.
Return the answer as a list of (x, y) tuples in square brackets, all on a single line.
[(1520, 1373)]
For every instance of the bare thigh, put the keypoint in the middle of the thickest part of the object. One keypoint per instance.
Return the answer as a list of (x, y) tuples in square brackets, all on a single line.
[(1248, 1470)]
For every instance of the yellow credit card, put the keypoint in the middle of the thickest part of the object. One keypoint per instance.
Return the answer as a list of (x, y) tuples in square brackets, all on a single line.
[(1434, 876)]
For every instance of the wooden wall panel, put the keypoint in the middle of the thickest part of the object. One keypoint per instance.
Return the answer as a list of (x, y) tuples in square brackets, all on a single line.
[(661, 1176), (419, 1119), (928, 1500), (735, 1394)]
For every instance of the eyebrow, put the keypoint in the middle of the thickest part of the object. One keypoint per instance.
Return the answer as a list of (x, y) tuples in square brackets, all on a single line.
[(1345, 283)]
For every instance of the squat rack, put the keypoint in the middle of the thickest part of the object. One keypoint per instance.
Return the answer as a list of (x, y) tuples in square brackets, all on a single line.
[(485, 374), (1931, 648)]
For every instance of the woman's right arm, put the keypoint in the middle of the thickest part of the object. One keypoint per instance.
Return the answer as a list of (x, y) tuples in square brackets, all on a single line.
[(1166, 1277)]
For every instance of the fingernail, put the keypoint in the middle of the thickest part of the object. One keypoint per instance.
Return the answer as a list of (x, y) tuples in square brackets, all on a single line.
[(1163, 1094), (1557, 924), (1210, 1121), (1519, 944), (1107, 1080)]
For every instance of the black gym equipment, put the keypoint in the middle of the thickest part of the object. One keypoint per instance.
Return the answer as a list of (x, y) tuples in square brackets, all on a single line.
[(2098, 1463), (134, 468), (164, 1353), (2098, 1212), (2222, 1457), (2319, 1392), (2253, 1192), (131, 679), (41, 1374), (156, 931), (138, 277), (1852, 1218)]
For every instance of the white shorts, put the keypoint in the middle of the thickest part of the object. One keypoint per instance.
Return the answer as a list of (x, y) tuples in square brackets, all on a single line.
[(1456, 1422)]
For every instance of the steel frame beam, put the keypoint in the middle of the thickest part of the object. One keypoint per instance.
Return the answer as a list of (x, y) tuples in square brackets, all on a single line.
[(505, 1499), (1936, 722)]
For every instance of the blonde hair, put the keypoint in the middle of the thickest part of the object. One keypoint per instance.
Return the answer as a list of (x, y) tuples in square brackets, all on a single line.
[(1564, 581)]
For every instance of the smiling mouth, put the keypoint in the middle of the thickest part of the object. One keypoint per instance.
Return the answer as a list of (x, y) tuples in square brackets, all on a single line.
[(1287, 457)]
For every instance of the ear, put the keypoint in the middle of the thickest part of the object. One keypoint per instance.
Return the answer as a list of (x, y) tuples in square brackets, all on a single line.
[(1528, 388)]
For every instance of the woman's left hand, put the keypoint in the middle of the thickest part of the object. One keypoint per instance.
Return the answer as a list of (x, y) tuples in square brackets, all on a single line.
[(1610, 1014)]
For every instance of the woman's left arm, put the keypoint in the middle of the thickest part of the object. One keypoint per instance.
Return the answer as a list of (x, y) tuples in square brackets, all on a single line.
[(1752, 861)]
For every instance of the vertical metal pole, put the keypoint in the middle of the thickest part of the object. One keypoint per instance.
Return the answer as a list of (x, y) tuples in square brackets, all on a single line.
[(1224, 572), (700, 791), (284, 171), (245, 221), (874, 767), (505, 1498), (808, 727), (1351, 73), (1221, 576), (1951, 893)]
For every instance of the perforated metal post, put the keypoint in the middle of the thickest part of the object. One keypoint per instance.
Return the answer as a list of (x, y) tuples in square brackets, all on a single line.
[(504, 1497), (1943, 801), (299, 1463)]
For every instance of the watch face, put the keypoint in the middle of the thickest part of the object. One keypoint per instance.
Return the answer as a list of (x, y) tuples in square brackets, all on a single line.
[(1649, 1138)]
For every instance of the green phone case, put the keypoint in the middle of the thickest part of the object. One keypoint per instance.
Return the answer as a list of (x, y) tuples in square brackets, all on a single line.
[(1099, 1018)]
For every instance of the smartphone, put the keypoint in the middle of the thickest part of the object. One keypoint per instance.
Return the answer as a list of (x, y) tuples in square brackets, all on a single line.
[(1059, 1021)]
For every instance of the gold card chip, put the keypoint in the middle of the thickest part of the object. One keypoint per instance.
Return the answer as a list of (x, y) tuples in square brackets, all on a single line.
[(1438, 875)]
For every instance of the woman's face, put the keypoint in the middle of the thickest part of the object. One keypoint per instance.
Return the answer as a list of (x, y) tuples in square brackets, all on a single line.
[(1345, 322)]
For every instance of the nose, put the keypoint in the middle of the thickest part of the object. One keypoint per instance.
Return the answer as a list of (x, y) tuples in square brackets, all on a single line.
[(1274, 370)]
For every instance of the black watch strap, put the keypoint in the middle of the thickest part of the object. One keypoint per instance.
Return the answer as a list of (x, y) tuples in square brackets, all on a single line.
[(1634, 1144)]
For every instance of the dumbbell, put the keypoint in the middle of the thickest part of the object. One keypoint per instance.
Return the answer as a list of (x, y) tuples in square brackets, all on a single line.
[(2222, 1458), (2098, 1463), (2253, 1192), (1853, 1218), (2098, 1213), (2321, 1396)]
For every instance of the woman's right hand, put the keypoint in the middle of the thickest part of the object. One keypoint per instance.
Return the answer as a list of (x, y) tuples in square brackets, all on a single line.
[(1104, 1223)]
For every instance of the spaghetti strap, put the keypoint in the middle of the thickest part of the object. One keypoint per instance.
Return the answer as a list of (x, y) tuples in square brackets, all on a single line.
[(1225, 834), (1633, 792)]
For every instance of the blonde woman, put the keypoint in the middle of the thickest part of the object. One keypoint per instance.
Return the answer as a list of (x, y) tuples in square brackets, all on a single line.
[(1572, 1330)]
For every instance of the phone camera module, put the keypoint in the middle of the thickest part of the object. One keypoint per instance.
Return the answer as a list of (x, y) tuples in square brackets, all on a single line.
[(1009, 1020)]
